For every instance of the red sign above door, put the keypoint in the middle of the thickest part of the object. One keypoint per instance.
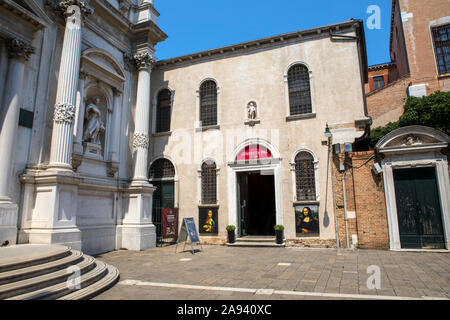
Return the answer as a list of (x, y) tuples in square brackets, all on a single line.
[(254, 152)]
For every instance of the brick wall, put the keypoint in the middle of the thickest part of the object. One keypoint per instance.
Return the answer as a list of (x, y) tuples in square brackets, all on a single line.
[(387, 104), (364, 200)]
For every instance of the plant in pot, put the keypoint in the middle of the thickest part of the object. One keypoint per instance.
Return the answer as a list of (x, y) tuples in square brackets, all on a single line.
[(231, 233), (279, 234)]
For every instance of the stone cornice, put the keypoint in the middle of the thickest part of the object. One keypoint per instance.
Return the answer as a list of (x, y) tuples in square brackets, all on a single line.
[(25, 14), (18, 49), (268, 42)]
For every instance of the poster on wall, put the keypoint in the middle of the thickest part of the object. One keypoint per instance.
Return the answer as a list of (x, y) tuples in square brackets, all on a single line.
[(307, 220), (208, 221), (170, 223)]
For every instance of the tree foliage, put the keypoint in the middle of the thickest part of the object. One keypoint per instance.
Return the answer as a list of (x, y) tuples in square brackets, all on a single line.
[(431, 111)]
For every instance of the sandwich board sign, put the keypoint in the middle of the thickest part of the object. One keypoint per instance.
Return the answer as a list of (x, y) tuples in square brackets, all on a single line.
[(188, 228)]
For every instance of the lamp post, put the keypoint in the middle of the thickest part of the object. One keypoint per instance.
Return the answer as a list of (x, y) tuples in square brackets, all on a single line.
[(329, 135)]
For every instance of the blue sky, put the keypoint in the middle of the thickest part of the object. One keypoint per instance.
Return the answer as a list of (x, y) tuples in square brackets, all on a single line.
[(197, 25)]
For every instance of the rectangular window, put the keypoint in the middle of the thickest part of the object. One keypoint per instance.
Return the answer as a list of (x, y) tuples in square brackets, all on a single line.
[(441, 38), (378, 82)]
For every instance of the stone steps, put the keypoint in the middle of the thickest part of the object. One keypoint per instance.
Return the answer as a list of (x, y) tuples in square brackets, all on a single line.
[(46, 276), (254, 241)]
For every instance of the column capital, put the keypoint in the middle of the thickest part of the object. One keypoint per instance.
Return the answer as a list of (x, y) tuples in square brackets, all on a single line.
[(64, 5), (141, 60), (17, 49)]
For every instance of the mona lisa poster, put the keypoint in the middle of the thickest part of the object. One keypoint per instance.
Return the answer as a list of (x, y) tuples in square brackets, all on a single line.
[(307, 220)]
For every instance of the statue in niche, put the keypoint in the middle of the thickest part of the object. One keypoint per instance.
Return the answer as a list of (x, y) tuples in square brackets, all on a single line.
[(252, 111), (94, 126)]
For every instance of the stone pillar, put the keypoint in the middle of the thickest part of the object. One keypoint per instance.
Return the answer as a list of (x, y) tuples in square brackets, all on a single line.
[(51, 218), (114, 134), (137, 231), (19, 53), (77, 155), (62, 135), (144, 63)]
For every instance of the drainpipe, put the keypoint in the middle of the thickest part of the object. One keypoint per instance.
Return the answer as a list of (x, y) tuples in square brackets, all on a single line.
[(335, 212), (345, 209)]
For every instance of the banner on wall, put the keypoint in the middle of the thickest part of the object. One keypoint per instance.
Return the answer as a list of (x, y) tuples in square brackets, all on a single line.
[(169, 223)]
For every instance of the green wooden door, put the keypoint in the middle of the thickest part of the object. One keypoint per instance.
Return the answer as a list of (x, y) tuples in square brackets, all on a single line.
[(418, 208), (163, 197)]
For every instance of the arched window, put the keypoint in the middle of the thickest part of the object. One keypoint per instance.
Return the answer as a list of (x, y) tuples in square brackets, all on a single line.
[(163, 111), (209, 183), (305, 177), (299, 90), (162, 169), (208, 103)]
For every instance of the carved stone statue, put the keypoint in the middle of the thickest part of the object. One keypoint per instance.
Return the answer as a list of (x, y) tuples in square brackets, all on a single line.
[(94, 126), (252, 111)]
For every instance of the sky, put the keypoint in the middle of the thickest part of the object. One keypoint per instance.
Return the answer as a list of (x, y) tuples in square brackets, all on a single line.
[(198, 25)]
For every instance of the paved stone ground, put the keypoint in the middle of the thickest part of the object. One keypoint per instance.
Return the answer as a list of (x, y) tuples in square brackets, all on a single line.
[(315, 271)]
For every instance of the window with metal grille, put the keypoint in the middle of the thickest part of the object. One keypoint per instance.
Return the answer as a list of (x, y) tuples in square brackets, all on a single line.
[(299, 90), (208, 104), (163, 111), (162, 168), (441, 37), (305, 177), (209, 183)]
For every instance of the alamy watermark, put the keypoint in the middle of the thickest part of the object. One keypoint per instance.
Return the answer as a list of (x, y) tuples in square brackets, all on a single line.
[(74, 280), (374, 20), (374, 281)]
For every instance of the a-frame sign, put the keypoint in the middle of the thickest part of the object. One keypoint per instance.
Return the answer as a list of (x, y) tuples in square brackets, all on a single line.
[(188, 228)]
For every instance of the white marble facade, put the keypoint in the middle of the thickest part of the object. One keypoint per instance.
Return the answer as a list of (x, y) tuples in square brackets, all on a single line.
[(74, 122)]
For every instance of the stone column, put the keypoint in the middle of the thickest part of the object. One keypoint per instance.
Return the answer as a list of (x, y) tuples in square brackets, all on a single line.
[(114, 134), (62, 135), (137, 231), (77, 155), (19, 53), (53, 212), (144, 62)]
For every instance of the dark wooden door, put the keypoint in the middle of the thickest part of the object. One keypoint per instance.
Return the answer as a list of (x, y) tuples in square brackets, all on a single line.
[(163, 197), (418, 208)]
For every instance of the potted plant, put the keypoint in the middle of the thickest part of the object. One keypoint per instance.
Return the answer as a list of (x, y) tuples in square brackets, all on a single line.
[(231, 233), (279, 234)]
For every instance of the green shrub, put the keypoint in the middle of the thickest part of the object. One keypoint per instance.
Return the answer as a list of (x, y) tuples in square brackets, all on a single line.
[(279, 228), (431, 111), (231, 228)]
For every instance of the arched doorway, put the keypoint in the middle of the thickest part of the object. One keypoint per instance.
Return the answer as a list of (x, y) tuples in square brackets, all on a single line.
[(162, 176)]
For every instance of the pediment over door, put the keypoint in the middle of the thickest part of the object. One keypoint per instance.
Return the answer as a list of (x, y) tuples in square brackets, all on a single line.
[(101, 65), (413, 139)]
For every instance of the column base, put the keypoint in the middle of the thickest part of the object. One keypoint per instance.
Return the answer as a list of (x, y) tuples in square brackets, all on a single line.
[(137, 237), (8, 222), (67, 237)]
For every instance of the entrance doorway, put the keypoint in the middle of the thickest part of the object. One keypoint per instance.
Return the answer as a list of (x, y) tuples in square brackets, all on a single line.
[(418, 208), (256, 204)]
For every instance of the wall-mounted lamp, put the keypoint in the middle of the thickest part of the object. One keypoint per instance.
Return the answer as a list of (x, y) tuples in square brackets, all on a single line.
[(376, 168)]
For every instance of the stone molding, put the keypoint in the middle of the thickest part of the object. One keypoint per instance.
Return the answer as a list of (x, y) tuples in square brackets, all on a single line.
[(18, 49), (141, 140), (64, 113)]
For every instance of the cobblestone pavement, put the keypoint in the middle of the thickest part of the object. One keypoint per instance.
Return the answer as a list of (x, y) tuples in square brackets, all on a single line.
[(220, 272)]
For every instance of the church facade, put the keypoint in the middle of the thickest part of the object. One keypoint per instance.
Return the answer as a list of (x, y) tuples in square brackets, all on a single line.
[(99, 139)]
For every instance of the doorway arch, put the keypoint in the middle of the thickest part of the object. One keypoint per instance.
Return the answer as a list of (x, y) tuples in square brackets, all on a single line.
[(261, 158), (162, 176)]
